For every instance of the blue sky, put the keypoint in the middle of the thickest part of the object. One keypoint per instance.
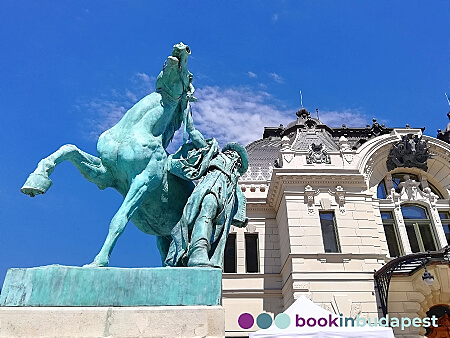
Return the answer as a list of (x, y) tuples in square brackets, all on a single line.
[(70, 69)]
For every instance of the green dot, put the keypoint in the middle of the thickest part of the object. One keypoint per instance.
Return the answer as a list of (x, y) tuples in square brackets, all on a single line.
[(282, 321), (264, 320)]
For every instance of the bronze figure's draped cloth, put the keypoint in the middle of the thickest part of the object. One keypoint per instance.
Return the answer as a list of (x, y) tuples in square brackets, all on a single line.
[(217, 175)]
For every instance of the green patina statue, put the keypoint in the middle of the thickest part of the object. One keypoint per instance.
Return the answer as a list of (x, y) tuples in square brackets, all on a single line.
[(216, 203), (133, 159), (192, 229)]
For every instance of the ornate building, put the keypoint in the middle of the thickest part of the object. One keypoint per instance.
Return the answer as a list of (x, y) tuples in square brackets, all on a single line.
[(330, 209)]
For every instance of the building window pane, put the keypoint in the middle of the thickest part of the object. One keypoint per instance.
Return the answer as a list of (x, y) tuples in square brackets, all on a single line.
[(251, 252), (229, 264), (329, 232), (391, 234), (413, 212), (412, 236), (447, 232), (445, 219), (381, 190), (418, 227), (427, 237)]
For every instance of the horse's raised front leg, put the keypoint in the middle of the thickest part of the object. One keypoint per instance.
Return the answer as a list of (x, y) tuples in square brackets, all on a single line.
[(141, 186), (90, 167)]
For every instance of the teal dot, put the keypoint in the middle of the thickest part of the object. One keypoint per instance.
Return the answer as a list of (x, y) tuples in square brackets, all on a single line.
[(264, 321), (282, 321)]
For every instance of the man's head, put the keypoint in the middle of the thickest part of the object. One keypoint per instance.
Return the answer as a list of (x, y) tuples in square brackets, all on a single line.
[(236, 151)]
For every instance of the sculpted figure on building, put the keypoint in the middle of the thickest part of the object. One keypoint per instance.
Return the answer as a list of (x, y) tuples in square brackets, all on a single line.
[(410, 151)]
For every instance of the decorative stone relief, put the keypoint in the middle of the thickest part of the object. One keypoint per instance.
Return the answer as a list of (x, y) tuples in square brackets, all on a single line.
[(411, 151), (285, 143), (368, 169), (288, 157), (327, 306), (306, 294), (410, 191), (250, 228), (310, 193), (340, 198), (317, 154), (300, 286), (345, 149), (355, 309)]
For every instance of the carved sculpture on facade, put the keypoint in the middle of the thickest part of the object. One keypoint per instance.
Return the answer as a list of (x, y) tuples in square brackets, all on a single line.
[(317, 154), (346, 149), (340, 198), (410, 151), (445, 134), (310, 193), (410, 191)]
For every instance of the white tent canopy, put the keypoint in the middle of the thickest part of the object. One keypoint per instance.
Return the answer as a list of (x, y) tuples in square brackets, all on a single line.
[(305, 308)]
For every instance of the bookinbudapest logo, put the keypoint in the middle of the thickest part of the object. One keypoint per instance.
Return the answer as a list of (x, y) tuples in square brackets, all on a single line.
[(283, 321)]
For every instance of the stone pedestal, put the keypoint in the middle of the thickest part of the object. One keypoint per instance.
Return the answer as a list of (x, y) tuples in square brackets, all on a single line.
[(62, 301), (158, 321), (56, 285)]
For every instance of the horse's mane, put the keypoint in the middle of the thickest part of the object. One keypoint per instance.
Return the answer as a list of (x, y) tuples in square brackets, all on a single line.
[(173, 126)]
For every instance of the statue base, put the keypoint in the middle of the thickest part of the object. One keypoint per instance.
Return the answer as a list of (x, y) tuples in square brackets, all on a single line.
[(161, 321), (56, 285)]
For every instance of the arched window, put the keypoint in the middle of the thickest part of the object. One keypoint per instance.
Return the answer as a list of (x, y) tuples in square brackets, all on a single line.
[(418, 228)]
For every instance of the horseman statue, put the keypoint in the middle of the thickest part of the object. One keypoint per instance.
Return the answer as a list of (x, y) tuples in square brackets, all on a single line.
[(132, 159)]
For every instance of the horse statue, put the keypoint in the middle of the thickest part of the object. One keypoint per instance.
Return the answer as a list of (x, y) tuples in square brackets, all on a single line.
[(133, 159)]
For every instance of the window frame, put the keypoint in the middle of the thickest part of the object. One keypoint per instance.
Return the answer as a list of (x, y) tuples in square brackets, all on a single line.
[(445, 221), (391, 222), (258, 267), (231, 235), (416, 223), (335, 228)]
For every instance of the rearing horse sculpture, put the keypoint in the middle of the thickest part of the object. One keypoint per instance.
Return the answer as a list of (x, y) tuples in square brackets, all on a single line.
[(132, 159)]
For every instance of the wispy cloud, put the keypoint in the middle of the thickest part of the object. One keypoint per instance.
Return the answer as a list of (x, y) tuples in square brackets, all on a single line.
[(251, 74), (349, 117), (236, 114), (105, 111), (277, 78), (275, 17), (230, 114)]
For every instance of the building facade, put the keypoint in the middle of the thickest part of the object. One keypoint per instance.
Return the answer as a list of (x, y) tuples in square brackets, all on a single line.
[(328, 208)]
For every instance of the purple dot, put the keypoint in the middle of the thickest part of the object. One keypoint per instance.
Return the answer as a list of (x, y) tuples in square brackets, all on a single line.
[(246, 321)]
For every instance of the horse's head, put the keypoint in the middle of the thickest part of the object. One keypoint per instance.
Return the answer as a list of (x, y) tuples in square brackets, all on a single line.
[(174, 81)]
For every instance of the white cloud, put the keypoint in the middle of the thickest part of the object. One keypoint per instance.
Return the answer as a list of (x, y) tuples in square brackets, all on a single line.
[(349, 117), (275, 17), (235, 114), (105, 111), (277, 78), (251, 74), (232, 114)]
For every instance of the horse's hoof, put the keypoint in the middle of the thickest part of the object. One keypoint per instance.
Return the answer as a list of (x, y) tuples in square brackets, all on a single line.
[(36, 184)]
